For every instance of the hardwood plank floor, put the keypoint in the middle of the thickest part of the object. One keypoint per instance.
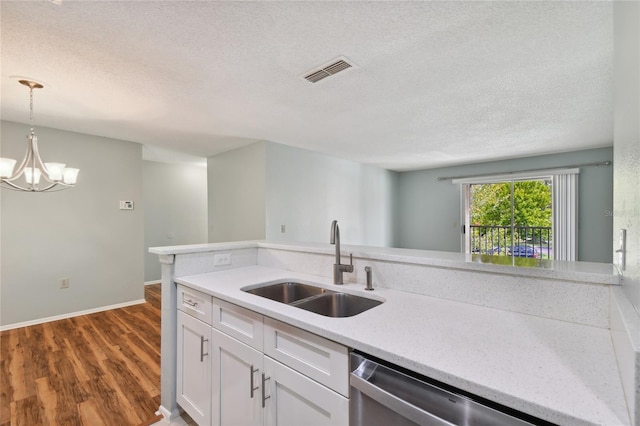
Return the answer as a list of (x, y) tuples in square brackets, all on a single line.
[(91, 370)]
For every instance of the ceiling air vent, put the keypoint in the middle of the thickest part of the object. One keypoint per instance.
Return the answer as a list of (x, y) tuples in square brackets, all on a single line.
[(327, 71)]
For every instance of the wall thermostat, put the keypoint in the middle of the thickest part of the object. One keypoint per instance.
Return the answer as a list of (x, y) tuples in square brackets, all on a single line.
[(126, 205)]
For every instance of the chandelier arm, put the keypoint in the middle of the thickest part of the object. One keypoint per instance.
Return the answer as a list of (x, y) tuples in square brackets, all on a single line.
[(45, 188), (25, 161), (58, 187), (54, 188), (13, 185), (36, 158)]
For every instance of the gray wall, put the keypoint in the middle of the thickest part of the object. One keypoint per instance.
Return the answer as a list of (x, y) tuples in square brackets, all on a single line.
[(175, 200), (429, 210), (255, 189), (236, 193), (79, 233), (626, 145), (305, 191)]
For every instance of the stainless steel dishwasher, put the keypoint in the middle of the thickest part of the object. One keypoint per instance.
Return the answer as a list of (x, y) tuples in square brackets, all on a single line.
[(383, 395)]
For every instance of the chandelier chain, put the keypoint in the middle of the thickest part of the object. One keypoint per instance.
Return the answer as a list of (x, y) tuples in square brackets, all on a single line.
[(31, 107)]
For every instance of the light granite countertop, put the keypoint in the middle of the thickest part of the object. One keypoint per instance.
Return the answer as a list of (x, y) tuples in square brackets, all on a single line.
[(559, 371)]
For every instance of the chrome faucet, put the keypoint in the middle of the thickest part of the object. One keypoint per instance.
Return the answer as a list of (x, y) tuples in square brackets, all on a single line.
[(339, 268)]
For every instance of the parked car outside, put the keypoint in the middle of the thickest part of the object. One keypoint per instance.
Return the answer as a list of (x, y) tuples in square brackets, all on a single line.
[(524, 251), (496, 250)]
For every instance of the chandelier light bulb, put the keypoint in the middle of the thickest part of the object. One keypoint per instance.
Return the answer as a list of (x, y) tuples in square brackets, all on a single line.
[(70, 175), (32, 175), (6, 167), (55, 171)]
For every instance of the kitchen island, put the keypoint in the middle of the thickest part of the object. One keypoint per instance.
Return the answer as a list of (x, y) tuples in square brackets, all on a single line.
[(533, 339)]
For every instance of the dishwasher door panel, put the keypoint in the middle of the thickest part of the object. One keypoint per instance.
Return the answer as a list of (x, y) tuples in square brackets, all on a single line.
[(381, 395)]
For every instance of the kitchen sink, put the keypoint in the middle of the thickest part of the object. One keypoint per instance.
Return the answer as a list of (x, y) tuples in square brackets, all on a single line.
[(287, 292), (338, 305), (315, 299)]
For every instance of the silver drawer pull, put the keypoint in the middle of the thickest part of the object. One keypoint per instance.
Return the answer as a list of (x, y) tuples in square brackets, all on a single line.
[(264, 396), (190, 303), (251, 372), (202, 354)]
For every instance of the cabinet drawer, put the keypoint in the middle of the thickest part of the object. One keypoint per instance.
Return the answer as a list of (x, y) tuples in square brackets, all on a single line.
[(323, 360), (240, 323), (194, 303)]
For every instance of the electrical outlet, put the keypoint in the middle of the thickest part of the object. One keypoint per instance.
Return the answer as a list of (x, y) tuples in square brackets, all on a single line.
[(64, 283), (222, 259), (283, 229)]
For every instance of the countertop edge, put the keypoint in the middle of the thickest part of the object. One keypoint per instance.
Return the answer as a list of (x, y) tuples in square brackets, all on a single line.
[(584, 272)]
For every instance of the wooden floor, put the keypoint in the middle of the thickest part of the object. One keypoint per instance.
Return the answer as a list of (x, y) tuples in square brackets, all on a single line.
[(98, 369)]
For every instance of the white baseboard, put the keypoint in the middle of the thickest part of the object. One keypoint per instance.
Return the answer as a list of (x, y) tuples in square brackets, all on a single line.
[(152, 282), (168, 415), (69, 315)]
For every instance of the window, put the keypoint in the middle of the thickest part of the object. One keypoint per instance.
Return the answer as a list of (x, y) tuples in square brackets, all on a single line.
[(521, 215)]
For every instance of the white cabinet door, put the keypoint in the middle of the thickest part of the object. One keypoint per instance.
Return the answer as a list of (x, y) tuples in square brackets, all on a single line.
[(294, 399), (193, 386), (237, 392)]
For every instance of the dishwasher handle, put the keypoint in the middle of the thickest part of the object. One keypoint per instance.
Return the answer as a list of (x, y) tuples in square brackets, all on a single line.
[(400, 406)]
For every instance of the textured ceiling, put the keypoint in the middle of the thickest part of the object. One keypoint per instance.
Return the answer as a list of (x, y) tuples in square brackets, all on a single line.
[(433, 83)]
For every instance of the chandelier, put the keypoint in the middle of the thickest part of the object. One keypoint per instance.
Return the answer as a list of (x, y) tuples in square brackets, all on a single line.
[(56, 175)]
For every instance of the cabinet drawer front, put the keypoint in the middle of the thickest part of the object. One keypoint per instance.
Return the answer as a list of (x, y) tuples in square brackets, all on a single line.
[(237, 322), (322, 360), (294, 399), (194, 303)]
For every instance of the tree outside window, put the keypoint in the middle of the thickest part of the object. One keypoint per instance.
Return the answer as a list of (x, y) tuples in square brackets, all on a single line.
[(500, 220)]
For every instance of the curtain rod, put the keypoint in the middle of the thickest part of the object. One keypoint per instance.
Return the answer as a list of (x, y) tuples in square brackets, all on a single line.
[(597, 164)]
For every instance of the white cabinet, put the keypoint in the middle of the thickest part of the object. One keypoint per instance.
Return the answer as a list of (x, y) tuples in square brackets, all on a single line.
[(294, 399), (237, 392), (193, 387), (236, 367), (320, 359)]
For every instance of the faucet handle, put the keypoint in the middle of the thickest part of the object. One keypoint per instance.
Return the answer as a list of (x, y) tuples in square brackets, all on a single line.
[(369, 286)]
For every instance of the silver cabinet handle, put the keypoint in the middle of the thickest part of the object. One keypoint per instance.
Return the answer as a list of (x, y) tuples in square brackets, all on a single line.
[(264, 395), (202, 354), (190, 303), (251, 372)]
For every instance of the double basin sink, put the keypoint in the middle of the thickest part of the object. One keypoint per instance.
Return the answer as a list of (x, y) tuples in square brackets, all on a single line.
[(315, 299)]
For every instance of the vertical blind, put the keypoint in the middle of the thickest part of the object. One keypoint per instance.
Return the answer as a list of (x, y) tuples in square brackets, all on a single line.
[(565, 215)]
